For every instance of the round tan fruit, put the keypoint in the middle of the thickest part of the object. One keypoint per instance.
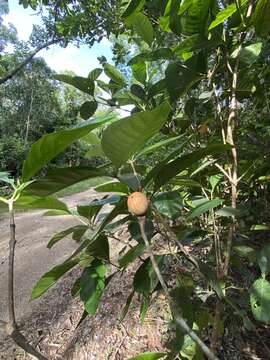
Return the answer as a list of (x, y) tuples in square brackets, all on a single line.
[(137, 203)]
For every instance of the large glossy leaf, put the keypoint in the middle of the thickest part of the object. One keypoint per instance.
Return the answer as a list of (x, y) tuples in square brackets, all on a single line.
[(179, 79), (225, 14), (113, 73), (58, 179), (149, 356), (88, 108), (145, 279), (155, 55), (125, 137), (142, 27), (84, 84), (62, 234), (50, 278), (95, 73), (132, 6), (174, 167), (99, 248), (195, 17), (152, 148), (139, 71), (206, 206), (92, 285), (95, 151), (169, 204), (156, 169), (37, 202), (131, 255), (248, 54), (50, 145), (260, 300), (114, 187), (264, 260), (261, 18)]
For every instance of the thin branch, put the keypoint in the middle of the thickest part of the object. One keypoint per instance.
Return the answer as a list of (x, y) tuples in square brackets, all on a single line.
[(28, 59), (224, 172), (11, 327), (180, 321)]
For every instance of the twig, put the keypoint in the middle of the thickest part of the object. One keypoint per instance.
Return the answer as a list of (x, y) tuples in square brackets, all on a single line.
[(224, 172), (11, 327), (180, 321)]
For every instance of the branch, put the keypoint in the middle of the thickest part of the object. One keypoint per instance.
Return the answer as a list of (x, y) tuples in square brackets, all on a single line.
[(11, 327), (29, 58), (180, 321)]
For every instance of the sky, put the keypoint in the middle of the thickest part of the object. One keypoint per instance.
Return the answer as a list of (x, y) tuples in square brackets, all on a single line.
[(80, 60)]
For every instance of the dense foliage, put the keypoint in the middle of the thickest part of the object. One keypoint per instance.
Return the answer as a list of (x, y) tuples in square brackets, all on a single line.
[(196, 142)]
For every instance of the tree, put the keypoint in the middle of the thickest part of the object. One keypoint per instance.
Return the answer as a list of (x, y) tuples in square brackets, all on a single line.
[(199, 88)]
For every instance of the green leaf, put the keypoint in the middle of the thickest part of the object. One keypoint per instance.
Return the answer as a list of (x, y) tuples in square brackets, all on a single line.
[(95, 151), (149, 356), (131, 255), (91, 139), (194, 19), (61, 178), (84, 84), (227, 211), (5, 177), (88, 211), (145, 279), (152, 148), (133, 5), (99, 248), (246, 251), (225, 14), (145, 303), (57, 213), (88, 108), (174, 167), (94, 74), (114, 187), (142, 27), (113, 73), (125, 137), (49, 279), (50, 145), (37, 202), (180, 79), (92, 286), (264, 260), (169, 204), (261, 18), (209, 205), (259, 227), (62, 234), (139, 71), (249, 54), (155, 55), (260, 300)]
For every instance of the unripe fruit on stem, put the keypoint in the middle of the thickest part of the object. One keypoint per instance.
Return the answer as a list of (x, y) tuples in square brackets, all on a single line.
[(137, 203)]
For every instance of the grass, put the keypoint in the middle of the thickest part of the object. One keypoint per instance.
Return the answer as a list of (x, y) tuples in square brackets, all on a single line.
[(82, 186)]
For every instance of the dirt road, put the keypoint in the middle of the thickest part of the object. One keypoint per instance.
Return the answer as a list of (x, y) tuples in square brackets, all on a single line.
[(32, 256)]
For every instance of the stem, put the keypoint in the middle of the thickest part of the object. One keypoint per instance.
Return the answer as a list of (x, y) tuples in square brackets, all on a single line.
[(28, 117), (11, 327), (180, 321)]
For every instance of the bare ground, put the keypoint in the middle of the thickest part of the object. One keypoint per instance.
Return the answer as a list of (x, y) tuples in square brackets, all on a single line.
[(50, 323)]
